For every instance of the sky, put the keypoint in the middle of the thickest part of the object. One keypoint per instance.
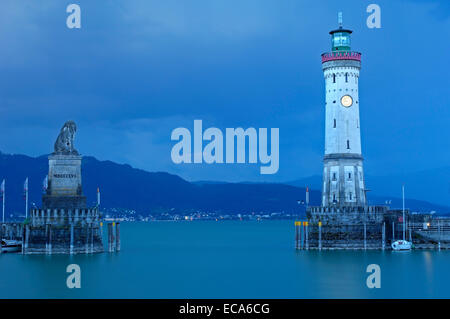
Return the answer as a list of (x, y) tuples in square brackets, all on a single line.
[(138, 69)]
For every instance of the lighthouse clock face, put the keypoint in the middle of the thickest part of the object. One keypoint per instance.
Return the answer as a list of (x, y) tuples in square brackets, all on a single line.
[(346, 101)]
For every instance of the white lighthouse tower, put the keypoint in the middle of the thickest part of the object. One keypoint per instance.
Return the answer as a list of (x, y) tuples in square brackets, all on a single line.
[(343, 178), (344, 220)]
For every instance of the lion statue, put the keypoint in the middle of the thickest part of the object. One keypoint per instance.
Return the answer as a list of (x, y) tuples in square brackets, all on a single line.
[(64, 142)]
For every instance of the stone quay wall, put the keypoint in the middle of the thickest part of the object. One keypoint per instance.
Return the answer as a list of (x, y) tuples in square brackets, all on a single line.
[(372, 227), (349, 227), (63, 231), (11, 231)]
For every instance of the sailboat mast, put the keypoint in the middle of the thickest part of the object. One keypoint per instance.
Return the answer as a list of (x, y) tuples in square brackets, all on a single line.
[(403, 209)]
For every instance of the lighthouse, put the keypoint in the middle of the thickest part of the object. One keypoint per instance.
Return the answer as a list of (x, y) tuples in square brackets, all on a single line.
[(344, 220), (343, 177)]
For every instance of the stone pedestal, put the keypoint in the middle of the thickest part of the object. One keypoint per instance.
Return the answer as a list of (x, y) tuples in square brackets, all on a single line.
[(64, 183)]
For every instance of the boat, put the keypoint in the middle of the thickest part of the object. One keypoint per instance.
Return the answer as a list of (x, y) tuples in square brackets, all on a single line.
[(402, 244), (11, 246)]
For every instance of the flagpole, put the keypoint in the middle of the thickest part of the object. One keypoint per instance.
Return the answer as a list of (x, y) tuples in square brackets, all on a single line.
[(26, 199), (307, 198), (403, 209)]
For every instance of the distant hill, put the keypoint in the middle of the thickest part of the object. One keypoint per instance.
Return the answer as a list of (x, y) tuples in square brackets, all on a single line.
[(129, 188), (125, 187)]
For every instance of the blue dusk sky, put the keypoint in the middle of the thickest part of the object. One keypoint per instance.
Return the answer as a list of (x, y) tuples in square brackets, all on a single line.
[(138, 69)]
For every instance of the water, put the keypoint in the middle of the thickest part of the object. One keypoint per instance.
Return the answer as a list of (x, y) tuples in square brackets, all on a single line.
[(224, 260)]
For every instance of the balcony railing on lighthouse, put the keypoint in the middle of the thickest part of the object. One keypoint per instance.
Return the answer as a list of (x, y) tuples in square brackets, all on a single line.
[(341, 55)]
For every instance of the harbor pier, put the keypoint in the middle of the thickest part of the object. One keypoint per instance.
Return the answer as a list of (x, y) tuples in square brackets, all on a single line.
[(366, 229)]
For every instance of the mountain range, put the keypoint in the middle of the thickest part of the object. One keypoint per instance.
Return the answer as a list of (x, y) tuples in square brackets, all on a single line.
[(125, 187)]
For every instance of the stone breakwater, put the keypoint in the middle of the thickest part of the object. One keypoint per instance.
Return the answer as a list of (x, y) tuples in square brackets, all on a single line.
[(373, 227), (63, 231)]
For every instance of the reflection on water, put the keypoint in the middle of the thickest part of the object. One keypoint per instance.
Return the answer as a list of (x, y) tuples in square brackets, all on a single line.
[(224, 260)]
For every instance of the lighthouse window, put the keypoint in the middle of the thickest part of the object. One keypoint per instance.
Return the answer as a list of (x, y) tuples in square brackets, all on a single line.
[(350, 195), (349, 176), (346, 77), (334, 126), (334, 78), (348, 144), (334, 176)]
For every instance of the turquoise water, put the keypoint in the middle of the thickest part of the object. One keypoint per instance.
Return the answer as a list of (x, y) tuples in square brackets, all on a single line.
[(224, 260)]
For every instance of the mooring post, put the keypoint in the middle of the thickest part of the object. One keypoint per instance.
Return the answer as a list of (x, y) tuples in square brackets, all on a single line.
[(92, 239), (113, 236), (383, 240), (27, 237), (23, 237), (393, 231), (365, 235), (109, 237), (302, 235), (46, 238), (50, 239), (86, 243), (410, 232), (117, 236), (101, 233), (71, 239), (439, 234), (307, 236), (296, 235), (320, 235)]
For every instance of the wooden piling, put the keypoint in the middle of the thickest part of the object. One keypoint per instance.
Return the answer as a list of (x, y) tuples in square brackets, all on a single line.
[(296, 234), (71, 239), (92, 239), (27, 238), (302, 235), (393, 231), (320, 235), (50, 239), (383, 240), (86, 242), (117, 236), (306, 236), (113, 237), (439, 235), (365, 235), (410, 232), (46, 238), (110, 247)]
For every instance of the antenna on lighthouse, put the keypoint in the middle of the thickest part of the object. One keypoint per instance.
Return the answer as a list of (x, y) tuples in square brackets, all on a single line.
[(340, 19)]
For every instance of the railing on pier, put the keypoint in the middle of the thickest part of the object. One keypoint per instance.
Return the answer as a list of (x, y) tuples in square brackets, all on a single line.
[(65, 216)]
